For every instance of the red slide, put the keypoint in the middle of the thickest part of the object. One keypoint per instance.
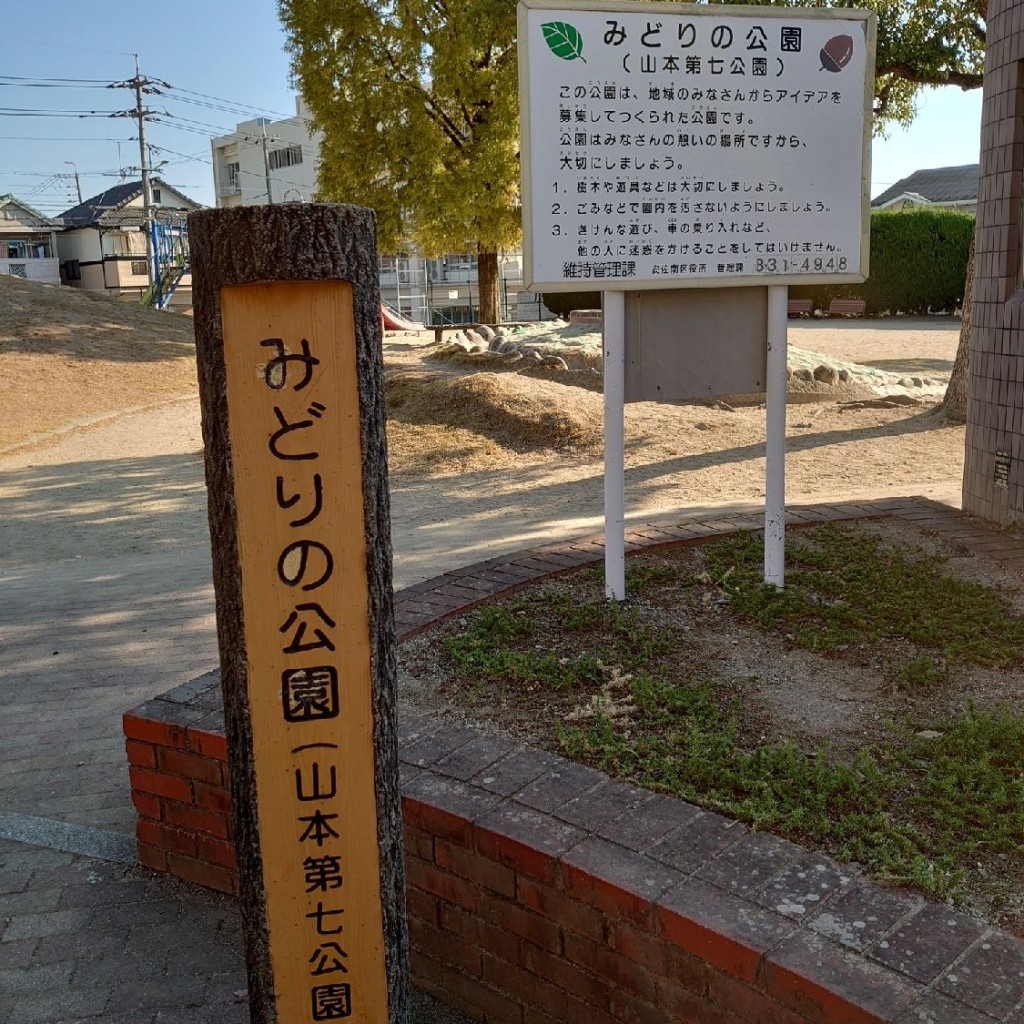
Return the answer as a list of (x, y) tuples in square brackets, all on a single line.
[(394, 321)]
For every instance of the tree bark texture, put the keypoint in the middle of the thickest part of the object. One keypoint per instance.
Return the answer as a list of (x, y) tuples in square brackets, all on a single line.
[(954, 404), (287, 243), (490, 297)]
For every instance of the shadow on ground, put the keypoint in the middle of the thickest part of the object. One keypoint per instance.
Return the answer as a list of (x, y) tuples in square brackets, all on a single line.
[(106, 507), (134, 506), (926, 366)]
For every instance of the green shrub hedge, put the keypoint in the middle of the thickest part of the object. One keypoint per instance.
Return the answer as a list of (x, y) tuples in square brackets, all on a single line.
[(918, 265)]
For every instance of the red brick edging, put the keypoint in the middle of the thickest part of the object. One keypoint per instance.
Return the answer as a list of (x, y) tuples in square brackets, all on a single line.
[(542, 891)]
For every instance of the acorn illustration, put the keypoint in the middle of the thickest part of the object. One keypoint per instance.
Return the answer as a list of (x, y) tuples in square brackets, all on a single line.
[(836, 53)]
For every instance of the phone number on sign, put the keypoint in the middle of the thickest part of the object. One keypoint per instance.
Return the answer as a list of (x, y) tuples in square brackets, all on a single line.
[(819, 264)]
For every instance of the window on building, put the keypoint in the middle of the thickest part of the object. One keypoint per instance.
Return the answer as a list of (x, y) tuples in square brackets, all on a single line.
[(156, 196), (233, 177), (287, 157), (139, 268), (72, 270)]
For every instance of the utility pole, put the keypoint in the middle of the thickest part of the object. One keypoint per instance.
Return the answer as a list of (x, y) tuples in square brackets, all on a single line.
[(266, 164), (142, 87), (147, 194), (263, 141), (78, 183)]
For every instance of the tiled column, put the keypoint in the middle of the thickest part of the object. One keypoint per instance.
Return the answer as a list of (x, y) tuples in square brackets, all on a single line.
[(993, 473)]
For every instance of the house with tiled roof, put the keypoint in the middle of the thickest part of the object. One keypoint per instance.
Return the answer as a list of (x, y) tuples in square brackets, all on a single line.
[(103, 244), (28, 242), (950, 188)]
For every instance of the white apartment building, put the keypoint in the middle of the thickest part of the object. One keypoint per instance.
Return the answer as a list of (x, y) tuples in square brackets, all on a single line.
[(265, 161), (276, 161)]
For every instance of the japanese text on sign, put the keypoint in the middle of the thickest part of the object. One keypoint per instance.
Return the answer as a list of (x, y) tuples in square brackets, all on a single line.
[(293, 396), (676, 145)]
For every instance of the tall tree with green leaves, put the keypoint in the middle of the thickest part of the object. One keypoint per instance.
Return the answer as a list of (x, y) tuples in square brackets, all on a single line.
[(418, 104), (419, 108), (920, 43), (923, 43)]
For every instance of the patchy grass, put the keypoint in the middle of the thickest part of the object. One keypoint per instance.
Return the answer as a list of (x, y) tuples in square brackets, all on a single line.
[(899, 808), (842, 588), (627, 690)]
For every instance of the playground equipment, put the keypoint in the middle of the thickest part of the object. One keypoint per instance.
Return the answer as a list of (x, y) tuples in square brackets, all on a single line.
[(394, 321), (170, 260)]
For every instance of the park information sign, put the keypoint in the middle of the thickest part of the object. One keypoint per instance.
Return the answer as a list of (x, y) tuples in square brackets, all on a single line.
[(673, 145)]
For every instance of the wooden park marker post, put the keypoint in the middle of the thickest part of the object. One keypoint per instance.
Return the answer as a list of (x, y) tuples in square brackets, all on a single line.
[(288, 339)]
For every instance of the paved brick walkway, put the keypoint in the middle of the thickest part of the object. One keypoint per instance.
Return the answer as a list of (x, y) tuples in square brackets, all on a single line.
[(94, 939)]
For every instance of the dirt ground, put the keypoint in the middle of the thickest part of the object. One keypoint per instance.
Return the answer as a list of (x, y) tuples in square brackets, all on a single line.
[(101, 450), (68, 358), (101, 410)]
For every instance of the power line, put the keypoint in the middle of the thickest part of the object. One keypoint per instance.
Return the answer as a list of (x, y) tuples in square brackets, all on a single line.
[(204, 160), (200, 124), (58, 138), (46, 174), (230, 103), (52, 83), (226, 107), (186, 128), (200, 157), (169, 118), (31, 112)]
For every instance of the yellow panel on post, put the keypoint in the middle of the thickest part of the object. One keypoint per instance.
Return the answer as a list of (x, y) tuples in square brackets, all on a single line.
[(293, 416)]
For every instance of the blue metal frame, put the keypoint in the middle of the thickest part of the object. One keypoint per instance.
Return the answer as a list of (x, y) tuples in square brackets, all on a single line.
[(170, 259)]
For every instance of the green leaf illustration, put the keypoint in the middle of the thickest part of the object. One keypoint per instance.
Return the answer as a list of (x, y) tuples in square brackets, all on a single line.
[(564, 40)]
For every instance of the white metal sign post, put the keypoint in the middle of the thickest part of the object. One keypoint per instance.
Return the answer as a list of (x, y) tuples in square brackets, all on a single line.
[(675, 146), (613, 321), (775, 438)]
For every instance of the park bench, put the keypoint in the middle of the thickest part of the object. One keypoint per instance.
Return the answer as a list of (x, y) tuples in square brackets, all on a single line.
[(801, 307), (847, 307)]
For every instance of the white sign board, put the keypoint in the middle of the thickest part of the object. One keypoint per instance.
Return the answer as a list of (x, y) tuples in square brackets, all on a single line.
[(673, 145)]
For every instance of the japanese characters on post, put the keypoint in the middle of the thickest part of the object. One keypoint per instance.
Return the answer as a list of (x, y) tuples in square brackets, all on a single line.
[(292, 410)]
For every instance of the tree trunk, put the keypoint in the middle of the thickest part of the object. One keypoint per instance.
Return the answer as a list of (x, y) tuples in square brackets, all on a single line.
[(954, 405), (489, 286), (288, 342)]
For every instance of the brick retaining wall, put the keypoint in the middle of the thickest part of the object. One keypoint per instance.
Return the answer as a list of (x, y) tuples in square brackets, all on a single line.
[(542, 891)]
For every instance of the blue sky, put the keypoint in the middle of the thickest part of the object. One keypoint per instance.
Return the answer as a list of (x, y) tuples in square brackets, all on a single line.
[(226, 66)]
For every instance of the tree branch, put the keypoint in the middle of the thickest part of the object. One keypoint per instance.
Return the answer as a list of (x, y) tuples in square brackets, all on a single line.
[(882, 99), (908, 73), (434, 112)]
